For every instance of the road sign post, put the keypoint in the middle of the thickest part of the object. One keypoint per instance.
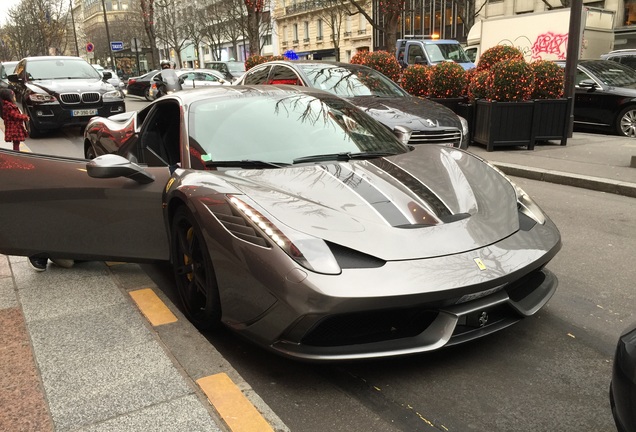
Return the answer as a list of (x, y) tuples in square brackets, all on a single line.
[(135, 47)]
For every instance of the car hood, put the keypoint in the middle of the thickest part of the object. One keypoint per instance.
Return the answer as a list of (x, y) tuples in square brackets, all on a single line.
[(432, 201), (70, 86), (412, 112)]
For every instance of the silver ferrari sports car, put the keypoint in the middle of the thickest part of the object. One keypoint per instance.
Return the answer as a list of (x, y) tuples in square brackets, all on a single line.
[(293, 218)]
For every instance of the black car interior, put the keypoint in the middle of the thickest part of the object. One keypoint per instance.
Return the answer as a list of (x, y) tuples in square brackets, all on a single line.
[(160, 137)]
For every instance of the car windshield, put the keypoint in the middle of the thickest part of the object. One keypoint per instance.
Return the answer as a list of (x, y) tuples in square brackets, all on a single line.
[(236, 67), (446, 52), (351, 81), (61, 69), (612, 74), (283, 128), (8, 68)]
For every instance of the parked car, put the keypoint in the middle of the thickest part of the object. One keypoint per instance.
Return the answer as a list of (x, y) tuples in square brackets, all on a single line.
[(58, 91), (427, 122), (623, 386), (140, 86), (114, 79), (626, 57), (605, 98), (6, 69), (231, 70), (290, 209), (194, 78)]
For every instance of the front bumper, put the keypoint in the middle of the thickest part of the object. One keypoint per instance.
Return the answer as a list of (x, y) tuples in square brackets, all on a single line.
[(54, 115), (406, 307)]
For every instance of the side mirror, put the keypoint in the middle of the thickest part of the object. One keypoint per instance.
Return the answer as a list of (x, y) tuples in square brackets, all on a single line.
[(403, 133), (113, 166), (588, 84), (107, 76), (14, 78), (420, 60)]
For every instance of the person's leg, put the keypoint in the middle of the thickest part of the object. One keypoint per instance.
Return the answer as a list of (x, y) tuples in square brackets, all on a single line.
[(37, 263), (16, 145)]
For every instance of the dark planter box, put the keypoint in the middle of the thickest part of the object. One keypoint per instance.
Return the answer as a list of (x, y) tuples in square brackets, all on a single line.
[(451, 103), (551, 119), (499, 124), (467, 110)]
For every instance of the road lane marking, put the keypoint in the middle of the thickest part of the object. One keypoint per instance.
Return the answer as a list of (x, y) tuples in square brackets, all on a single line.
[(152, 307), (232, 405)]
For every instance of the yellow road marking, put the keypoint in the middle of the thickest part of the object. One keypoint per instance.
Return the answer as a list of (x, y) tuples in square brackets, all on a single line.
[(233, 407), (152, 307)]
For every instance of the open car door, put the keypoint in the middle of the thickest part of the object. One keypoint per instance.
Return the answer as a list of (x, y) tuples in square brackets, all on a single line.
[(51, 205)]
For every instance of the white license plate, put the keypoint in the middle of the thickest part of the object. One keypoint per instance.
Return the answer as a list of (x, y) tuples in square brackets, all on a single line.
[(84, 112)]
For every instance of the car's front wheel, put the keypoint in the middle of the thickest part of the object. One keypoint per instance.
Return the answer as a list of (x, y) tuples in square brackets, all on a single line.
[(194, 272), (626, 122), (89, 152)]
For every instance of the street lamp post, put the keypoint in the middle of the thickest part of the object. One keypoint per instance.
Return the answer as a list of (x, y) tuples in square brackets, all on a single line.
[(110, 49)]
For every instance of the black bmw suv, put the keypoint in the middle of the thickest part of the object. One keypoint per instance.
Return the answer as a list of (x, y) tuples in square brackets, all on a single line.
[(58, 91)]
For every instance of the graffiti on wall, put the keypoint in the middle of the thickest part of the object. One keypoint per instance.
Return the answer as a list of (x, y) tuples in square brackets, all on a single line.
[(547, 46)]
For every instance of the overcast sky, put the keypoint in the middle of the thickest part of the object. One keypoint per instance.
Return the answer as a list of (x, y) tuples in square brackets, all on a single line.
[(4, 9)]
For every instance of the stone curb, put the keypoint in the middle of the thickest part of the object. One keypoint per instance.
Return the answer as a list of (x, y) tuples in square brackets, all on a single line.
[(569, 179)]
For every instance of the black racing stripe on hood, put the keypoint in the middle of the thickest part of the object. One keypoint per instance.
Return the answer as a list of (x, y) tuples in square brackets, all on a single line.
[(414, 184), (376, 199)]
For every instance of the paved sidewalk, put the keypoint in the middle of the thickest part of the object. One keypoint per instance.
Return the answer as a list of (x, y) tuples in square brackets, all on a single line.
[(591, 161), (76, 354)]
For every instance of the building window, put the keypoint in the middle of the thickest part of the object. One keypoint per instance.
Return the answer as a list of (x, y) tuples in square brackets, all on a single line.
[(266, 40), (319, 29), (306, 30), (284, 35), (295, 33)]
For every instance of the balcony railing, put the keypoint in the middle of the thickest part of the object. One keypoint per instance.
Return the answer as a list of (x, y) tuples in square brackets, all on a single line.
[(295, 41), (318, 38), (284, 43), (361, 32), (347, 34), (306, 40), (304, 6)]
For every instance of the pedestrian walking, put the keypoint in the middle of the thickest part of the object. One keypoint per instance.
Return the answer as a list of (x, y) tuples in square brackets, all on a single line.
[(14, 130)]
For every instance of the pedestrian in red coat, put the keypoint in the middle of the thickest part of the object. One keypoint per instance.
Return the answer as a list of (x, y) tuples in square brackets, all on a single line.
[(14, 130)]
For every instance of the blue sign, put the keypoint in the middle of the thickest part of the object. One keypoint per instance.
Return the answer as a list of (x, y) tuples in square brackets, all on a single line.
[(116, 46), (90, 47)]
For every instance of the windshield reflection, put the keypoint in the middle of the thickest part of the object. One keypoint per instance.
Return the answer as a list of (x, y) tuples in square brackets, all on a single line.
[(351, 81), (279, 128)]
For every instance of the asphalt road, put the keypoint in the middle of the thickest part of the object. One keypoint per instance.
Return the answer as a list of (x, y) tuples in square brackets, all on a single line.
[(549, 372)]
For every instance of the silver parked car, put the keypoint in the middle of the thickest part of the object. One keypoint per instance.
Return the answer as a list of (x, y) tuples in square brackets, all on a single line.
[(293, 218)]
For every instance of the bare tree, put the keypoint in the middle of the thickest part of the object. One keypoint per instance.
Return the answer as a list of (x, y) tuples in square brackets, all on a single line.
[(333, 13), (255, 10), (148, 18), (235, 17), (211, 18), (171, 29), (193, 30), (38, 27)]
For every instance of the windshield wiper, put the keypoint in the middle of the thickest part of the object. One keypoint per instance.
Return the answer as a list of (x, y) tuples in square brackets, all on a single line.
[(345, 156), (245, 163)]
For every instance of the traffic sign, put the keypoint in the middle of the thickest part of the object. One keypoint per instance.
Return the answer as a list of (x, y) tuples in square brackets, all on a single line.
[(90, 47), (116, 46)]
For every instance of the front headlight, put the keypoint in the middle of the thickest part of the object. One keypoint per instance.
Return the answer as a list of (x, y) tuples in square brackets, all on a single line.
[(525, 204), (464, 127), (41, 98), (310, 252), (112, 95)]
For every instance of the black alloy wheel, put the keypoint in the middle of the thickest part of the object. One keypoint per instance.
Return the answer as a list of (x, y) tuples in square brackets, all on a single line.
[(626, 122), (89, 153), (194, 273), (33, 131)]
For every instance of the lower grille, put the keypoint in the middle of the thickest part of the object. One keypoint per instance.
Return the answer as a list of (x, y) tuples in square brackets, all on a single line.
[(445, 137), (369, 327)]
